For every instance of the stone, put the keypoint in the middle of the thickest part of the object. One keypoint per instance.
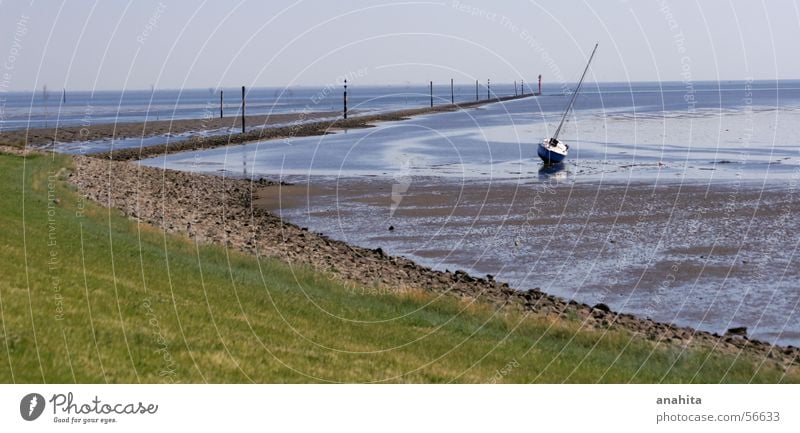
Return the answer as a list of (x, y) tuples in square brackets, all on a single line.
[(737, 331), (602, 307)]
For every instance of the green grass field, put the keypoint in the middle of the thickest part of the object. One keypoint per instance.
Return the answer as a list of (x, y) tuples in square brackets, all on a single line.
[(89, 296)]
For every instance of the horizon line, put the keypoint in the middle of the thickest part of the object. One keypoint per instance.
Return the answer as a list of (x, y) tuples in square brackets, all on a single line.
[(421, 83)]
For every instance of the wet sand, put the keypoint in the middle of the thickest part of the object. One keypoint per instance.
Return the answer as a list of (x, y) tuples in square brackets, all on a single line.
[(707, 257)]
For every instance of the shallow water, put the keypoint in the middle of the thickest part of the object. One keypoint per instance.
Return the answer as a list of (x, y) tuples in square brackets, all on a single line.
[(498, 141), (97, 146)]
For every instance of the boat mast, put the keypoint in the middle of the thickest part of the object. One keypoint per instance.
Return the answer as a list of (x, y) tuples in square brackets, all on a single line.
[(574, 94)]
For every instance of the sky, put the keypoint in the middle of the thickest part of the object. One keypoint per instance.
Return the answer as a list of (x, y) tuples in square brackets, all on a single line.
[(126, 44)]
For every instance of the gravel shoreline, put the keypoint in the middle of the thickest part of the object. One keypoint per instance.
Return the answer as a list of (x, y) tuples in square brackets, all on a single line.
[(213, 209)]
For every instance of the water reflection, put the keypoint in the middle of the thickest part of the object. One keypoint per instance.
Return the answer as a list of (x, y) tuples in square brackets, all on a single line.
[(553, 172)]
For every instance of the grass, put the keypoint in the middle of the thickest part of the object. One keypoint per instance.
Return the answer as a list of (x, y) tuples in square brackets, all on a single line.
[(89, 296)]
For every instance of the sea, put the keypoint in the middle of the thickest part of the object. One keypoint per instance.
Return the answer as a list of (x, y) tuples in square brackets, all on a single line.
[(63, 107), (51, 108)]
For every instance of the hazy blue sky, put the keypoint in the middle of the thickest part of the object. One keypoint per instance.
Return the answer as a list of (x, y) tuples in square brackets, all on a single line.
[(84, 44)]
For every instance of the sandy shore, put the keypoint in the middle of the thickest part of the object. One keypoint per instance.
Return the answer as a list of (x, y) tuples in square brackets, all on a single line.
[(219, 210)]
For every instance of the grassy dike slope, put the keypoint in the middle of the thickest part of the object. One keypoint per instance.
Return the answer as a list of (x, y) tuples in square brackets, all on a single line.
[(87, 295)]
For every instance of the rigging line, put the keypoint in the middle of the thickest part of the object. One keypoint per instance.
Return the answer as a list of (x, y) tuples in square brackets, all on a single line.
[(575, 93)]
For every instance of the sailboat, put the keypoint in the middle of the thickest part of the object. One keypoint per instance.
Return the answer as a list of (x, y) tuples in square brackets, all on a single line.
[(552, 150)]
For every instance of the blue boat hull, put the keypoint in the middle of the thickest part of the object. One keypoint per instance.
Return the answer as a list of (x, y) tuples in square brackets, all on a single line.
[(549, 157)]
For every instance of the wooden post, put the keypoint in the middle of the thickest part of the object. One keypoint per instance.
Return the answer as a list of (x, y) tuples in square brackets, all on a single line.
[(63, 96), (242, 109), (431, 94), (220, 104), (345, 98), (515, 88), (522, 87), (476, 90), (45, 97), (488, 89), (540, 84), (452, 94)]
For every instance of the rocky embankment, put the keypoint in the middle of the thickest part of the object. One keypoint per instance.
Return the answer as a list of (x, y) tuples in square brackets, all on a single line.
[(218, 210)]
